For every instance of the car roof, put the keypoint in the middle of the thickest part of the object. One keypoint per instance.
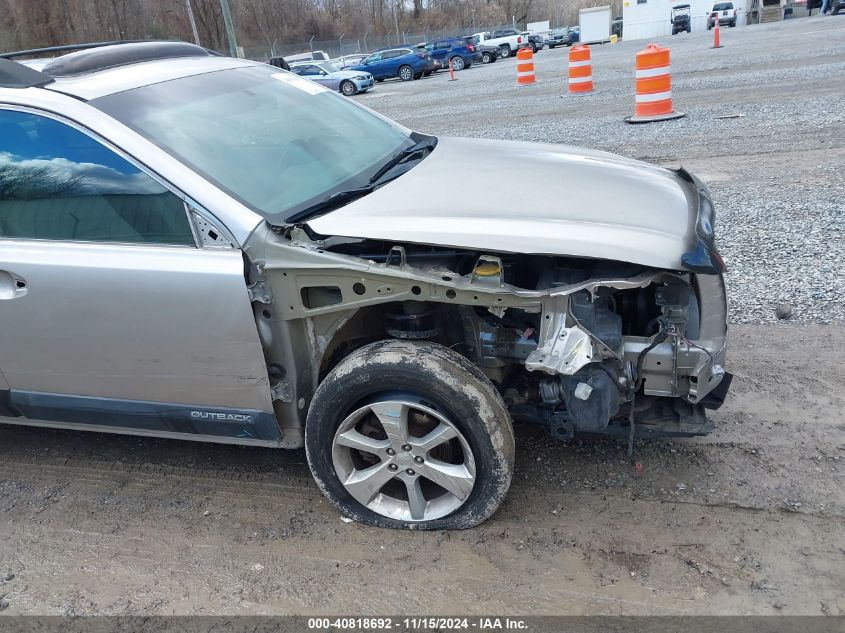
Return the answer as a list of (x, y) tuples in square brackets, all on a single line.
[(113, 80), (90, 74)]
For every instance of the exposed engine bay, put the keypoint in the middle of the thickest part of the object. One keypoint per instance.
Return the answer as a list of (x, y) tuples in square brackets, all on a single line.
[(576, 345)]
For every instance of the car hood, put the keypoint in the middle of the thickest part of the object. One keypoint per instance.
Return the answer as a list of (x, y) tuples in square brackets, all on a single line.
[(530, 198), (348, 74)]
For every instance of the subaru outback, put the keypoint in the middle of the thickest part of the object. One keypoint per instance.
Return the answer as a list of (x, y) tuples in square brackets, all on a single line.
[(207, 248)]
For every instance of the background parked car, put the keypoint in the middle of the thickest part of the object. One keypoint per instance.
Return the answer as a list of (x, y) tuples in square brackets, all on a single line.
[(348, 61), (558, 37), (725, 12), (536, 42), (507, 40), (488, 54), (574, 34), (454, 51), (402, 62), (348, 82)]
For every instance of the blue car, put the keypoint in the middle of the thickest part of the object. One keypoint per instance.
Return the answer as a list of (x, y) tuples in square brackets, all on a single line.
[(457, 52), (403, 62)]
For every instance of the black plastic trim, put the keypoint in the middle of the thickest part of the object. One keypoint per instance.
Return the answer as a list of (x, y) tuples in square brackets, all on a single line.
[(7, 409), (703, 258), (716, 398), (15, 75), (146, 415), (66, 48)]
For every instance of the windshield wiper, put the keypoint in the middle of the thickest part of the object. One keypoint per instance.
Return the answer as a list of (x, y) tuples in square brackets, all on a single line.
[(427, 143), (331, 202), (376, 180)]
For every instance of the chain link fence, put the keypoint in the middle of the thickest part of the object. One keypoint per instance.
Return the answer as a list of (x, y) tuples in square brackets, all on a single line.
[(347, 45)]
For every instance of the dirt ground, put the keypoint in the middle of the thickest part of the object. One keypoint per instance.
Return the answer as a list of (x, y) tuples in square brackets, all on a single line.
[(748, 520)]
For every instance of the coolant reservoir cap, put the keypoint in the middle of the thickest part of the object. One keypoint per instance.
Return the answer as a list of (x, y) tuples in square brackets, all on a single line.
[(487, 269)]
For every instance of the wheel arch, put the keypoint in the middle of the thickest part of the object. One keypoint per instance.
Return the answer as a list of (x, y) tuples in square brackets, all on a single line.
[(368, 324)]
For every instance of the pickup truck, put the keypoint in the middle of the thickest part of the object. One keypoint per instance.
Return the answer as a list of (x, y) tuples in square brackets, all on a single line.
[(508, 41)]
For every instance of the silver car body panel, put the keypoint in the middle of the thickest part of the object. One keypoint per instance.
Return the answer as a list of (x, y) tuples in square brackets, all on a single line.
[(134, 322), (530, 198), (112, 80)]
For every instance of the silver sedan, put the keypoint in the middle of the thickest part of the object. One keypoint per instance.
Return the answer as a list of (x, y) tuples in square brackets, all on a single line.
[(348, 82)]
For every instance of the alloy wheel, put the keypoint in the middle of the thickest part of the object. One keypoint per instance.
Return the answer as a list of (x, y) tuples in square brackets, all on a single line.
[(403, 460)]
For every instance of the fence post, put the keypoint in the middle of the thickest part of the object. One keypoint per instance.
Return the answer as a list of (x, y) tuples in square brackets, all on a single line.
[(340, 41), (311, 43)]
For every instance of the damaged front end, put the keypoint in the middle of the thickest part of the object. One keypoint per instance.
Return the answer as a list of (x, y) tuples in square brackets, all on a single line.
[(577, 345)]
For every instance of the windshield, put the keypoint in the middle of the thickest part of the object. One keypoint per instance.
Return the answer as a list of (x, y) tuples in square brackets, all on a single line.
[(329, 67), (275, 141), (723, 6)]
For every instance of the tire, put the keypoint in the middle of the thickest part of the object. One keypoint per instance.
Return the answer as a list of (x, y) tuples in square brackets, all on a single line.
[(551, 46), (457, 63), (445, 392), (533, 49), (406, 73), (417, 76), (427, 73), (505, 51), (348, 88), (379, 80), (487, 58), (733, 24)]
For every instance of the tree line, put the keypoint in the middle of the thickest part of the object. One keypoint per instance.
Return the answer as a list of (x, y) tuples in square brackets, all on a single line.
[(261, 23)]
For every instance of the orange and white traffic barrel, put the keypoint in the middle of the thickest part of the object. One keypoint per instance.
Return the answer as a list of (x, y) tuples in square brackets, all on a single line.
[(580, 70), (525, 67), (653, 87)]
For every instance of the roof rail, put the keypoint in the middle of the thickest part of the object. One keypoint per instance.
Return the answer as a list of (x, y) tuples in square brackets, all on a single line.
[(122, 54), (64, 49), (15, 75)]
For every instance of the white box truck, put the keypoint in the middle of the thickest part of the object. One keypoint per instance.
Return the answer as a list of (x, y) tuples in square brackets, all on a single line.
[(595, 25)]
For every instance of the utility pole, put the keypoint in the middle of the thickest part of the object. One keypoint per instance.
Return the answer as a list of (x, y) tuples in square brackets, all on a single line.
[(193, 22), (395, 23), (230, 29)]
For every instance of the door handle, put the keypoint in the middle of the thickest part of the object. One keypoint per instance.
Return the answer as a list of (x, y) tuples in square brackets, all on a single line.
[(11, 286)]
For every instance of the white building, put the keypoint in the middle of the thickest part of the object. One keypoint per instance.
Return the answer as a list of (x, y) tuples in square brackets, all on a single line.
[(643, 19)]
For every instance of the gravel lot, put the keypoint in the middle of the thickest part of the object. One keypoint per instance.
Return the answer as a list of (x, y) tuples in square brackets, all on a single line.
[(745, 521), (776, 171)]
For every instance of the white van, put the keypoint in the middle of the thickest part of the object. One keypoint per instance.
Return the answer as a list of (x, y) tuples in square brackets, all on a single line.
[(310, 56), (725, 12)]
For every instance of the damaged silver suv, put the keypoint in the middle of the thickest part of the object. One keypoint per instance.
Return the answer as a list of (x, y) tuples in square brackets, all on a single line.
[(200, 247)]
